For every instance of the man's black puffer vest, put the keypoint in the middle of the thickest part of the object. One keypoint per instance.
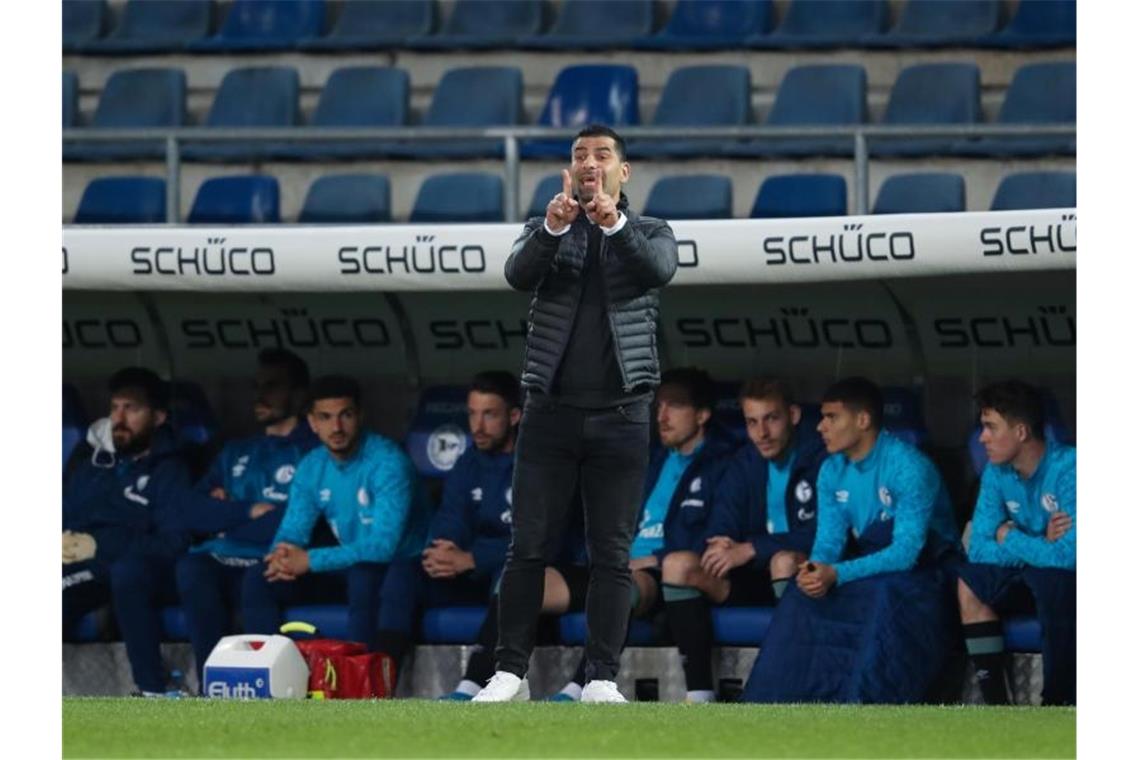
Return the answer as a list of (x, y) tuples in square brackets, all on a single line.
[(636, 261)]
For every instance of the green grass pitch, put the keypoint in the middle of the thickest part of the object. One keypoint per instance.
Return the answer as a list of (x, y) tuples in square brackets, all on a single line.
[(417, 728)]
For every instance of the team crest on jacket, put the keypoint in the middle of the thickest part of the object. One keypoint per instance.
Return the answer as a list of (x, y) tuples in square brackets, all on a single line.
[(445, 445), (362, 497), (510, 496), (804, 515), (140, 484), (695, 485), (1013, 507), (842, 496), (284, 474), (476, 494), (885, 495), (506, 517), (1049, 502), (803, 493), (240, 465)]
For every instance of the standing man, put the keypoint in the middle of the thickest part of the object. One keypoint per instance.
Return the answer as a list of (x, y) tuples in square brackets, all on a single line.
[(365, 487), (594, 267), (1023, 544), (239, 503)]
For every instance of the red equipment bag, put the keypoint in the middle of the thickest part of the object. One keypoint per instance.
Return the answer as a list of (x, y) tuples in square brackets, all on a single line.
[(346, 670)]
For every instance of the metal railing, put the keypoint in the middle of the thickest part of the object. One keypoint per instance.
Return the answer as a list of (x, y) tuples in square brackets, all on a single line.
[(859, 134)]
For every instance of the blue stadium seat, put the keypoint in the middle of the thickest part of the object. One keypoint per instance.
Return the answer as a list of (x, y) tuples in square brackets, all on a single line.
[(1055, 430), (123, 200), (376, 25), (134, 99), (1038, 24), (331, 620), (70, 99), (461, 197), (902, 415), (590, 25), (499, 103), (452, 625), (572, 631), (74, 421), (250, 97), (921, 193), (699, 96), (191, 416), (348, 199), (484, 25), (1022, 634), (1040, 93), (83, 21), (931, 94), (155, 27), (88, 630), (242, 199), (711, 25), (548, 187), (818, 95), (741, 626), (726, 412), (938, 23), (438, 435), (695, 196), (793, 195), (1027, 190), (355, 97), (265, 25), (581, 95), (826, 24)]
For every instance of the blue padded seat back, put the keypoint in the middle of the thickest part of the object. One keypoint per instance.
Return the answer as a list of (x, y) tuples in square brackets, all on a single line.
[(453, 625), (936, 93), (959, 20), (727, 415), (902, 414), (83, 21), (921, 193), (719, 18), (592, 93), (363, 96), (142, 98), (741, 626), (1022, 633), (257, 96), (167, 22), (840, 19), (439, 435), (493, 18), (191, 416), (1040, 23), (614, 18), (795, 195), (276, 21), (548, 187), (384, 18), (705, 95), (821, 94), (348, 199), (70, 99), (1028, 190), (123, 200), (242, 199), (461, 197), (1041, 93), (700, 196), (499, 100)]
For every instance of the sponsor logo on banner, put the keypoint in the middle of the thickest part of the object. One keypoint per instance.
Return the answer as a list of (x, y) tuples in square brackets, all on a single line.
[(795, 327), (293, 329), (422, 256), (1050, 327), (100, 333), (445, 445), (479, 334), (214, 259), (237, 683), (851, 246), (1030, 239)]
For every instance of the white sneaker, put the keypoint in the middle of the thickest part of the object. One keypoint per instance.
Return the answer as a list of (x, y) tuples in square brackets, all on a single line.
[(504, 687), (602, 691)]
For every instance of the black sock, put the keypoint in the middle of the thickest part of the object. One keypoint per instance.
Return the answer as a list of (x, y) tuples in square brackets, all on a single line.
[(481, 664), (691, 626), (986, 645)]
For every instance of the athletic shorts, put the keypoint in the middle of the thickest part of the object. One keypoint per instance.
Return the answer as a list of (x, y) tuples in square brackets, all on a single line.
[(1009, 589)]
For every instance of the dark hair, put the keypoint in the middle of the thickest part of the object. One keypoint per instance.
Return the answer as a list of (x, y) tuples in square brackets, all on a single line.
[(155, 390), (858, 394), (698, 386), (501, 383), (1015, 401), (334, 386), (767, 387), (601, 130), (293, 365)]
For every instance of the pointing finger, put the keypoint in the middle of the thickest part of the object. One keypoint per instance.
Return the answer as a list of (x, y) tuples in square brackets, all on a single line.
[(567, 186)]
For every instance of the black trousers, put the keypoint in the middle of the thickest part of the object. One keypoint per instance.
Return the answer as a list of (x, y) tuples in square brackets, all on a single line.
[(561, 449)]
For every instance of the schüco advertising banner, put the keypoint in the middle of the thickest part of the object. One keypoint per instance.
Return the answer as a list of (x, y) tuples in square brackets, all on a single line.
[(450, 257)]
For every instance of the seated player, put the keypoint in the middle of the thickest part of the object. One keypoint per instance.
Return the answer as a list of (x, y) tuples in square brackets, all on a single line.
[(869, 618), (239, 503), (467, 544), (680, 481), (120, 517), (761, 528), (365, 487), (1023, 544)]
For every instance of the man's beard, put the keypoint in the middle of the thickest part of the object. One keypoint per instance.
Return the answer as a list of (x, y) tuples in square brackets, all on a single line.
[(135, 443)]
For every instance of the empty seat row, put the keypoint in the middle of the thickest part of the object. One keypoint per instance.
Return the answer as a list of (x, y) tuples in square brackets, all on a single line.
[(478, 197), (694, 96), (146, 26)]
